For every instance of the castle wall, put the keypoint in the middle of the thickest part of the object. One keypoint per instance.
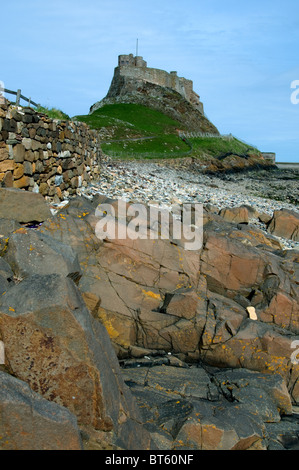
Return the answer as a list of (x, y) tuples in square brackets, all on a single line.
[(156, 76), (130, 61), (136, 68)]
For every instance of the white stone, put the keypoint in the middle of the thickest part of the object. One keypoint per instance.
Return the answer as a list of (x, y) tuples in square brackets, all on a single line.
[(252, 313)]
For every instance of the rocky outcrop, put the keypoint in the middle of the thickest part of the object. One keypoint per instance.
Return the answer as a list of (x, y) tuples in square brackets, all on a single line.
[(210, 409), (163, 99), (285, 224), (238, 215), (78, 315), (193, 303), (54, 345)]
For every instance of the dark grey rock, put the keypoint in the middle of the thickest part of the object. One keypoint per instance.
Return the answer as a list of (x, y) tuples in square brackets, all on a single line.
[(33, 252), (23, 206)]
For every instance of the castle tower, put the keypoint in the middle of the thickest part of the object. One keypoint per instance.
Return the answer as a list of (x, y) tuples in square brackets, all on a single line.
[(126, 60), (139, 62), (131, 61), (132, 67)]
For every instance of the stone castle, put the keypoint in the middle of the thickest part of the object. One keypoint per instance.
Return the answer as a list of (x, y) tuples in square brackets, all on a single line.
[(135, 83), (136, 68)]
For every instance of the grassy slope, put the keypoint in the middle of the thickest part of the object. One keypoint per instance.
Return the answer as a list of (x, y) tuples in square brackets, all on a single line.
[(53, 113), (123, 122), (218, 147)]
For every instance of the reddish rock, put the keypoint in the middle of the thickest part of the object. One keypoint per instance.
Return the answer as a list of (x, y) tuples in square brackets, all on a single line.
[(22, 183), (256, 346), (53, 344), (285, 223), (18, 171), (159, 296), (230, 429), (7, 165), (204, 408), (238, 215), (29, 422)]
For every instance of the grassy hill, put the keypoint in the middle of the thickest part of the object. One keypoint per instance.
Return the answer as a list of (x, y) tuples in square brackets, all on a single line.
[(133, 130), (136, 131)]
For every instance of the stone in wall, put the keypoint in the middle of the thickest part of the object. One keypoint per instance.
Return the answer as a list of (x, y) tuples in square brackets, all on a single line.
[(43, 155)]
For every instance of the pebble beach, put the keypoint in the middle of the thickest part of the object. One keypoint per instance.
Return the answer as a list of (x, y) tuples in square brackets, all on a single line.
[(168, 186)]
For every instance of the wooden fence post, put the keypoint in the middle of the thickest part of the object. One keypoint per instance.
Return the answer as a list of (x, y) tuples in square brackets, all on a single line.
[(18, 97)]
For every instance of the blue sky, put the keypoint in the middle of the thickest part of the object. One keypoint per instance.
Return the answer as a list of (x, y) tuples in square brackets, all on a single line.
[(242, 57)]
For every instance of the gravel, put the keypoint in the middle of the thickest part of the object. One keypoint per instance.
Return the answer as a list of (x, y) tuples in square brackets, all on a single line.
[(167, 186)]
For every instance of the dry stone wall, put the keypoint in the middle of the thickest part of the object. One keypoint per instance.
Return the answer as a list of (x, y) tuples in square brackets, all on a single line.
[(43, 155)]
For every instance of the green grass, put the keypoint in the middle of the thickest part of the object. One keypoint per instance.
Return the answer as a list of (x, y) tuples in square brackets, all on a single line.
[(155, 147), (218, 147), (53, 113), (129, 121), (124, 121), (135, 117)]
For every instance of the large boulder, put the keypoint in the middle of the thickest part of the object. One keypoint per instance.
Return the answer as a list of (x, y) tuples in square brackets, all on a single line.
[(54, 345), (285, 223), (29, 252), (23, 206), (238, 215), (29, 422)]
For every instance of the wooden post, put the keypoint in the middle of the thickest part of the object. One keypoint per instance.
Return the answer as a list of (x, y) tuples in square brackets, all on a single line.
[(18, 97)]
